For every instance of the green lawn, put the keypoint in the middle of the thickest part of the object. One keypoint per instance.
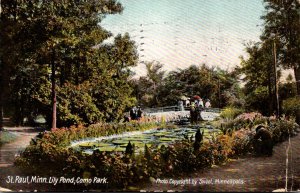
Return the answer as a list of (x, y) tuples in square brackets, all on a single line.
[(6, 137)]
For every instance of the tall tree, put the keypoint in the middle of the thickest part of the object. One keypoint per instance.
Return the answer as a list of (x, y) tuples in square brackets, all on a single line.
[(61, 39), (259, 73), (147, 87), (282, 23), (9, 48)]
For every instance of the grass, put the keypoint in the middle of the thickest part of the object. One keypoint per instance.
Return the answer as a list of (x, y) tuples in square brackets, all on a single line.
[(6, 137)]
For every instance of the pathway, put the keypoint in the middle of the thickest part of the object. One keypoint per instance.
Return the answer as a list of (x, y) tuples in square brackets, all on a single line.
[(8, 152)]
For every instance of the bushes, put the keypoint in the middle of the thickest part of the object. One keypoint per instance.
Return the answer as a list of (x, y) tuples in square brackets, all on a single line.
[(242, 130), (230, 112), (64, 136), (242, 142), (291, 107), (282, 129), (245, 120), (123, 169)]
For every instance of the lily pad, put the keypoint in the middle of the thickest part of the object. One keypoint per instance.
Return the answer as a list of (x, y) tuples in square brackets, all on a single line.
[(166, 139), (120, 141), (161, 134), (86, 144), (102, 144), (108, 148)]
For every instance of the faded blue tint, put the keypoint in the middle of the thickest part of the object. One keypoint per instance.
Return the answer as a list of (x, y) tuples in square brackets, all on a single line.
[(179, 33)]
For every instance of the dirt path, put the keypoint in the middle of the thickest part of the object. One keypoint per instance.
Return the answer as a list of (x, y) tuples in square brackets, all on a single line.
[(7, 156), (251, 174)]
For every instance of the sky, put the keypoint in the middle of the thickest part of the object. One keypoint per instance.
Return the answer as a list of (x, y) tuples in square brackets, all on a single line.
[(180, 33)]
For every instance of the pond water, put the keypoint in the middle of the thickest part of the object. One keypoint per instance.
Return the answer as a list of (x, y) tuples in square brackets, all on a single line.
[(156, 137)]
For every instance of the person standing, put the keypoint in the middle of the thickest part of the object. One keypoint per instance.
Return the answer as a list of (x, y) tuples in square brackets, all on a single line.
[(193, 113), (133, 113), (201, 103), (180, 105), (139, 113), (207, 104)]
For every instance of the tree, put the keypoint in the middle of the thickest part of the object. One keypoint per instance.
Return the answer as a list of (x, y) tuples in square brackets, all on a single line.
[(208, 83), (63, 39), (282, 25), (147, 87), (259, 77), (201, 80)]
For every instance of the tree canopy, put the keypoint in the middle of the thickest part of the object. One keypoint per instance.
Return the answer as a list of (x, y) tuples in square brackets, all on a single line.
[(282, 24), (60, 43), (159, 88)]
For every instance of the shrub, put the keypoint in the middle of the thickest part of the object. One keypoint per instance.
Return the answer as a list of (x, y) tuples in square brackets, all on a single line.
[(242, 121), (291, 107), (242, 143), (250, 116), (230, 112), (282, 129)]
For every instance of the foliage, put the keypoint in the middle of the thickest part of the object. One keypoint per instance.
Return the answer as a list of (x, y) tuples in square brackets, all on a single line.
[(65, 136), (230, 112), (48, 158), (281, 37), (259, 100), (291, 107), (147, 88), (6, 137), (253, 116), (64, 41), (281, 23), (287, 89), (76, 106), (242, 121), (242, 141), (258, 71), (220, 86), (282, 129)]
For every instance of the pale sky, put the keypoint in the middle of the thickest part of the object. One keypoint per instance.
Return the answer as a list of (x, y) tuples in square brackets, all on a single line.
[(179, 33)]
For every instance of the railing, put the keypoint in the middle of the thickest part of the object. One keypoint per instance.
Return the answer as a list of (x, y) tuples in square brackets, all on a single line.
[(176, 108), (161, 109)]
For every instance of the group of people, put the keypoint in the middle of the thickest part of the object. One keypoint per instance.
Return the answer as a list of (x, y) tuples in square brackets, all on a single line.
[(196, 106), (136, 113), (199, 102)]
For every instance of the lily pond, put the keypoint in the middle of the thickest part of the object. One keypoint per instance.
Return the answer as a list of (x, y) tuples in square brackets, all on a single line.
[(153, 137)]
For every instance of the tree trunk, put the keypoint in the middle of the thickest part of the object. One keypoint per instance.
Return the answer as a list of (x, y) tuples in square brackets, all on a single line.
[(1, 108), (297, 77), (4, 82), (53, 90), (1, 95), (276, 80), (271, 102)]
